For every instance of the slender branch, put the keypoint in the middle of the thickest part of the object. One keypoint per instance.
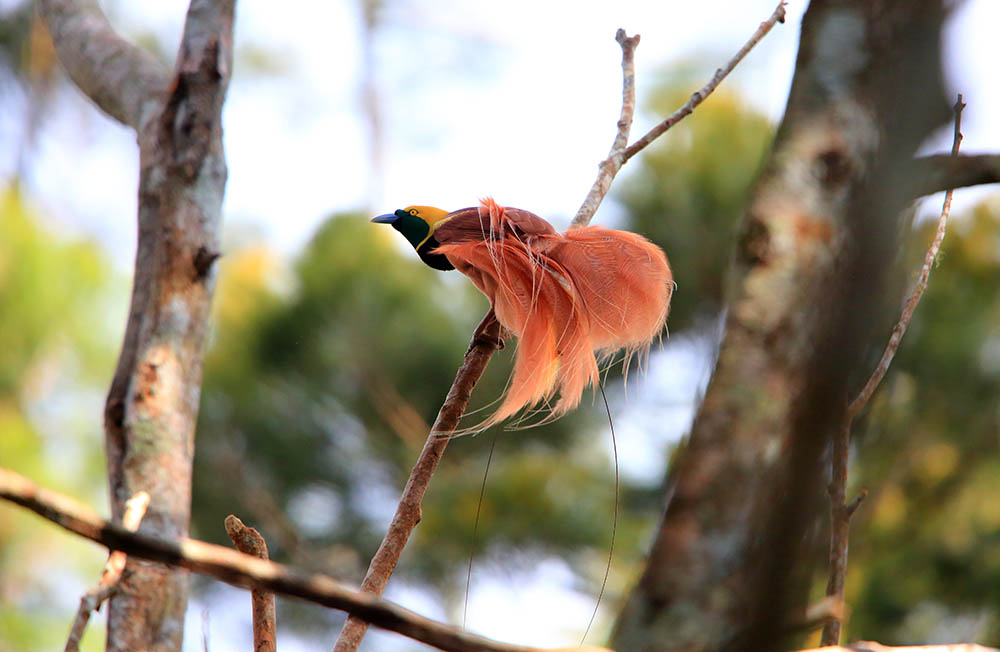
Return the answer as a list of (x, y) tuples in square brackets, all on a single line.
[(911, 303), (135, 509), (840, 511), (244, 570), (946, 172), (250, 542), (485, 341), (126, 82), (616, 157), (778, 16), (870, 646), (619, 153)]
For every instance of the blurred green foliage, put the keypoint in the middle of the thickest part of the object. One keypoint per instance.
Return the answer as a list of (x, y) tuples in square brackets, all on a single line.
[(925, 548), (54, 334)]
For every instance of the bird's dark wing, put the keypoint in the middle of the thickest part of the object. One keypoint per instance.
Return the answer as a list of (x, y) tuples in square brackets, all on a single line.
[(468, 224), (527, 223)]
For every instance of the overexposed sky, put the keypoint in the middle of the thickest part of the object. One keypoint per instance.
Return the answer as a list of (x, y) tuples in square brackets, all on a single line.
[(517, 100)]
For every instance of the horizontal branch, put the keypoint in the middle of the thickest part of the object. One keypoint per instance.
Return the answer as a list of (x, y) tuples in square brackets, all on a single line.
[(869, 646), (122, 79), (245, 571), (135, 509), (943, 172)]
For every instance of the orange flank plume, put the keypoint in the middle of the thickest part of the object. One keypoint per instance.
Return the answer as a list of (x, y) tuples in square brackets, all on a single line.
[(570, 298)]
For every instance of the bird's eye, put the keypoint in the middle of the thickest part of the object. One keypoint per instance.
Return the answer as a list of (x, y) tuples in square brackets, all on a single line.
[(413, 212)]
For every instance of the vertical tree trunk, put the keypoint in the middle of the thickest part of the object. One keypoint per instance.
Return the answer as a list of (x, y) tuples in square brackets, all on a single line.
[(152, 406), (730, 562)]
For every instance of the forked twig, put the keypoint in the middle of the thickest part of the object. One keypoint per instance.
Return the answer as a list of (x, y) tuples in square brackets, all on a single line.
[(620, 154), (778, 16), (135, 509), (840, 511)]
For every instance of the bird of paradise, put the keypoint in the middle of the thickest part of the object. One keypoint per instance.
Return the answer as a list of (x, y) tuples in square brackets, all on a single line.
[(572, 298)]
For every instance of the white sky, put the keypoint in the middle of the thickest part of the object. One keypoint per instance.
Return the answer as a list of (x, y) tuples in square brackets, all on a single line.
[(517, 100), (514, 99)]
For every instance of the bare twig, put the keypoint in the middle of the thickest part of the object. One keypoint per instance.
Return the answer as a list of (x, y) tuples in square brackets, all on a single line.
[(619, 153), (126, 82), (840, 511), (616, 157), (249, 541), (135, 509), (485, 341), (869, 646), (911, 303), (778, 16), (815, 615), (244, 570)]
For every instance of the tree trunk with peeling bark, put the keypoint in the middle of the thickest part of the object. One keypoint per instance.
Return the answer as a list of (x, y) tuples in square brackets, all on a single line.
[(731, 560), (152, 406)]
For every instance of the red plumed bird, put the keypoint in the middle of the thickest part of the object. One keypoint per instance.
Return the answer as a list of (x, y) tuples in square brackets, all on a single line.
[(571, 298)]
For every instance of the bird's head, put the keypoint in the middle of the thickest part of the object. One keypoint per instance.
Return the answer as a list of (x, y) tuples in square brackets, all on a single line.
[(417, 223)]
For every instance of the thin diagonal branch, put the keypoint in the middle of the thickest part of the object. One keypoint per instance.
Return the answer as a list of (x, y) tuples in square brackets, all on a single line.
[(243, 570), (250, 542), (135, 509), (778, 16), (840, 511), (616, 157), (126, 82), (865, 394), (485, 342), (619, 153)]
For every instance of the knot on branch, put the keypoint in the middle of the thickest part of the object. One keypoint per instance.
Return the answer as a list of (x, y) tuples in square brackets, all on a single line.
[(203, 260)]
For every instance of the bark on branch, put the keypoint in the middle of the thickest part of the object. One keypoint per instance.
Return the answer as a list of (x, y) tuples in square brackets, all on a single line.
[(125, 81), (250, 542), (485, 341), (946, 172), (734, 545), (870, 646), (135, 509), (244, 570), (152, 405)]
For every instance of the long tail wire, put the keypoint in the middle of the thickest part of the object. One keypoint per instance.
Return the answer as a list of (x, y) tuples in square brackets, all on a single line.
[(614, 522), (475, 530)]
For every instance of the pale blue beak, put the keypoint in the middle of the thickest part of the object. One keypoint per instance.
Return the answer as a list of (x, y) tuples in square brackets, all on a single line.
[(388, 218)]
